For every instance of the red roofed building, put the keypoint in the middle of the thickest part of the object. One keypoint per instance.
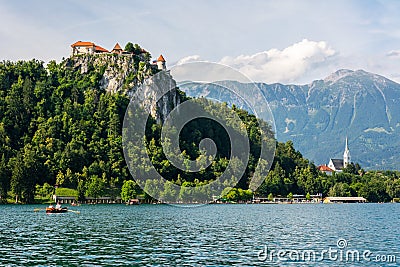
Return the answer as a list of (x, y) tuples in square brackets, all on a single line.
[(117, 49), (325, 169), (161, 63), (87, 48), (161, 58), (99, 49)]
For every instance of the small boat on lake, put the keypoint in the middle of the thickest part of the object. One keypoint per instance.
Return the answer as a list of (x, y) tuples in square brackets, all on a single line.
[(134, 201), (56, 210)]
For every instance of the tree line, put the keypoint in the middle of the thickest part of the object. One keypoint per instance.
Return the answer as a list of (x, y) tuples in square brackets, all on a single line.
[(58, 127)]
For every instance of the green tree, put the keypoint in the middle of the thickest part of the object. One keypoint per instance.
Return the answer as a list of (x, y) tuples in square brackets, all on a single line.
[(170, 193), (45, 191), (274, 182), (374, 190), (81, 190), (233, 195), (225, 192), (307, 179), (130, 189), (129, 47), (17, 178), (95, 187), (340, 190), (4, 178), (393, 188)]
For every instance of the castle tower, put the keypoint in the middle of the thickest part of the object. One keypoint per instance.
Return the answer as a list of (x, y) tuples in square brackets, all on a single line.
[(161, 63), (117, 49), (346, 155)]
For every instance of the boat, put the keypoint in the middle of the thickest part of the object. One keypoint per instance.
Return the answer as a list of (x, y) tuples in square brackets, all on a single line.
[(134, 201), (56, 210)]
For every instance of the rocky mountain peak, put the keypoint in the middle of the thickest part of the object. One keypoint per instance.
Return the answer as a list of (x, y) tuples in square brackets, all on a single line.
[(334, 77), (317, 117)]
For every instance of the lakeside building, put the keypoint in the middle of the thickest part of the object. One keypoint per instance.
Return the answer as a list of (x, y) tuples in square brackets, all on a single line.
[(344, 200), (88, 200), (295, 199)]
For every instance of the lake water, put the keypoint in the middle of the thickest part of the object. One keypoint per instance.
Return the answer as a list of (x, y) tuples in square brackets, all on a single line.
[(211, 235)]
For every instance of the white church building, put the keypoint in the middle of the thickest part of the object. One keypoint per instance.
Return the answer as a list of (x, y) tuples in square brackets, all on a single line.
[(337, 165)]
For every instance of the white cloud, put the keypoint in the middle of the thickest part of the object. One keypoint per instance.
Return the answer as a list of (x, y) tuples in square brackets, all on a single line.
[(188, 59), (363, 33), (393, 53), (287, 65)]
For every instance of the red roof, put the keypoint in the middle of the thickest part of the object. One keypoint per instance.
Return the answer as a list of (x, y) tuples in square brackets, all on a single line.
[(117, 47), (161, 58), (324, 168), (100, 49), (80, 43), (90, 44)]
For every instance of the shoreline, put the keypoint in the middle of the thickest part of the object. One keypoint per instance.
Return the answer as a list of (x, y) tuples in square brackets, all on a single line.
[(197, 204)]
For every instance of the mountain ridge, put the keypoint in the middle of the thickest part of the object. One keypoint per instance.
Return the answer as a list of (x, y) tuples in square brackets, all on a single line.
[(318, 116)]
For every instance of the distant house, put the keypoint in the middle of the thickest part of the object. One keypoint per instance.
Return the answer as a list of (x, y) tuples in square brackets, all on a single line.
[(325, 169), (87, 48)]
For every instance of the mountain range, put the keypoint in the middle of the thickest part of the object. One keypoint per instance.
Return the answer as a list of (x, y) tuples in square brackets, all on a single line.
[(317, 117)]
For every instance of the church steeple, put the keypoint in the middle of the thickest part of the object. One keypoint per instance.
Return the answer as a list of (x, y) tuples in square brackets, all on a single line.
[(346, 155)]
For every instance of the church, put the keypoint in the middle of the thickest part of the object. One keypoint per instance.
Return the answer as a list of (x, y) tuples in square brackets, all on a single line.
[(337, 165)]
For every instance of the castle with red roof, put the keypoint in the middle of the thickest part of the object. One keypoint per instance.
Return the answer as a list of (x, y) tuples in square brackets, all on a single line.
[(89, 48)]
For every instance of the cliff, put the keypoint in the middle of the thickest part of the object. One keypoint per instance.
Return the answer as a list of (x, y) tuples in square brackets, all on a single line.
[(125, 74)]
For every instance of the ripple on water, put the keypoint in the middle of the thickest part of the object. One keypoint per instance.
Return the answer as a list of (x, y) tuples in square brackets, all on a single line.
[(213, 235)]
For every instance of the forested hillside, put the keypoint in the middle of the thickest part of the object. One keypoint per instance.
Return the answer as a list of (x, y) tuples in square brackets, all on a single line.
[(60, 125)]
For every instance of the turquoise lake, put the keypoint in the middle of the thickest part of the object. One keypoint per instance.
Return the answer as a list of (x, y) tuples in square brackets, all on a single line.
[(210, 235)]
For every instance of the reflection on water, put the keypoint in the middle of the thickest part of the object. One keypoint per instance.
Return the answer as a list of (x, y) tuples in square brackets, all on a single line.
[(213, 235)]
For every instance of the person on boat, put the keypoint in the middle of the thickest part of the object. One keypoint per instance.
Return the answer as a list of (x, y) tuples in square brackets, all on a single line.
[(58, 206), (51, 206)]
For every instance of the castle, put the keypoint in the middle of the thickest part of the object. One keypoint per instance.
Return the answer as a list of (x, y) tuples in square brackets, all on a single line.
[(82, 48), (337, 165)]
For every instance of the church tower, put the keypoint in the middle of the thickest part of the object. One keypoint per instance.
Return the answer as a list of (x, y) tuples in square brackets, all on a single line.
[(346, 155)]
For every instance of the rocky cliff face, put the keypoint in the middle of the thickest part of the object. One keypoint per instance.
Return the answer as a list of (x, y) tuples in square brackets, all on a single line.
[(126, 74), (151, 94)]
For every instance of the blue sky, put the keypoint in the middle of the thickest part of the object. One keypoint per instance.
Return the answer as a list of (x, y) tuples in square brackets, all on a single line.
[(270, 41)]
